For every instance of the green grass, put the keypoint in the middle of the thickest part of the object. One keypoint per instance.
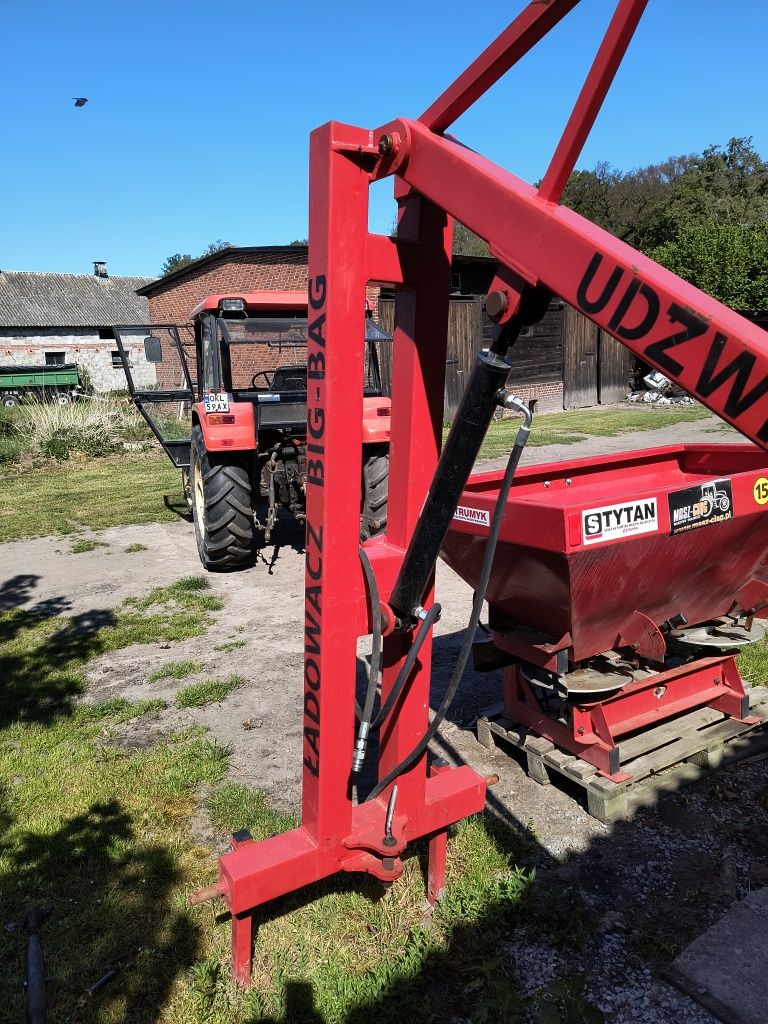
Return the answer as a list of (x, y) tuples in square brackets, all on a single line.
[(133, 548), (176, 670), (753, 663), (96, 830), (571, 427), (79, 547), (118, 709), (48, 498), (229, 645), (212, 691), (348, 949), (100, 828), (188, 592), (45, 498)]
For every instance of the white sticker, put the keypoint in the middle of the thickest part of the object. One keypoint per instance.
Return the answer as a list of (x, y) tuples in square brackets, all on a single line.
[(216, 401), (479, 516), (614, 521)]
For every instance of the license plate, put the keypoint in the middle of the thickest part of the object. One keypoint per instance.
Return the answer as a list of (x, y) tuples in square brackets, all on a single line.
[(216, 401)]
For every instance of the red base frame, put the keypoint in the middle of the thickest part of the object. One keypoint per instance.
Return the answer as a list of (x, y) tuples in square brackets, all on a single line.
[(594, 729), (254, 873)]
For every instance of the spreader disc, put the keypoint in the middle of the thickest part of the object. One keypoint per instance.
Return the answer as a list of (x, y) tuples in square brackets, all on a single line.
[(721, 633), (583, 685)]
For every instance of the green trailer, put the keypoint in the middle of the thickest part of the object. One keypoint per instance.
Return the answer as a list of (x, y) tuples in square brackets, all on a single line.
[(60, 383)]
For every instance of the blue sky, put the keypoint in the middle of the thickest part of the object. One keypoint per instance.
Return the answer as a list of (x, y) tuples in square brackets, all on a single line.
[(199, 114)]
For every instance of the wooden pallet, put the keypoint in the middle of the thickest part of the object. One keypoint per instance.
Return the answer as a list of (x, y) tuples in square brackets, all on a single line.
[(660, 759)]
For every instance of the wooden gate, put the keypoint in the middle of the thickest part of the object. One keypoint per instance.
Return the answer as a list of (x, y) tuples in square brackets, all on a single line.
[(615, 361), (580, 360), (464, 339)]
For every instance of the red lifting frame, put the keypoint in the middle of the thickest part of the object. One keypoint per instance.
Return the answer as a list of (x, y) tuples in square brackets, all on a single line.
[(713, 353)]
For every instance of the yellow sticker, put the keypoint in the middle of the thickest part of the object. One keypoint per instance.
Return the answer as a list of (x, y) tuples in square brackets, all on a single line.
[(760, 491)]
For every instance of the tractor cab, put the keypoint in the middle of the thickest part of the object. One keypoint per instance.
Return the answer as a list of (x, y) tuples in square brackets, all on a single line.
[(230, 390), (239, 351)]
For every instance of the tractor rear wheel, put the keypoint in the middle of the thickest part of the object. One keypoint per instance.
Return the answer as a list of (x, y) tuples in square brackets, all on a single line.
[(373, 511), (221, 505)]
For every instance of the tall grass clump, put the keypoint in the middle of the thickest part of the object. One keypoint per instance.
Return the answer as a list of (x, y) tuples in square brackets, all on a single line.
[(94, 427)]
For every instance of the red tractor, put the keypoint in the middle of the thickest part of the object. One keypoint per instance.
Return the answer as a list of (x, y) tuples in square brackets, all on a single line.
[(232, 415)]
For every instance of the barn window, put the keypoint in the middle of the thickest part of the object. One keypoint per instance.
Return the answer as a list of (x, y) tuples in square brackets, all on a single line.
[(106, 334), (55, 358)]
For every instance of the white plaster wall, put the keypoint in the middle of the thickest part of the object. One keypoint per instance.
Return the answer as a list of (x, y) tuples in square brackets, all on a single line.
[(20, 345)]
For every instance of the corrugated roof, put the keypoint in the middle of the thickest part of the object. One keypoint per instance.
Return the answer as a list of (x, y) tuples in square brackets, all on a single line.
[(70, 300)]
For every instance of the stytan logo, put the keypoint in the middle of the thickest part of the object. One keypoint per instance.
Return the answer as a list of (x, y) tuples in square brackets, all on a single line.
[(478, 516), (612, 522)]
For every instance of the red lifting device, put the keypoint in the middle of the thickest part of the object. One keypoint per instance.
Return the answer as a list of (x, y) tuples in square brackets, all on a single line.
[(542, 248)]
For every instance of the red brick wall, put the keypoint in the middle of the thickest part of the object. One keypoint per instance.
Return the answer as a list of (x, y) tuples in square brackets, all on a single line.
[(544, 397), (174, 301)]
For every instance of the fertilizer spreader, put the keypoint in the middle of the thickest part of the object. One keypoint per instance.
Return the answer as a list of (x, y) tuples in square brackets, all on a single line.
[(618, 584)]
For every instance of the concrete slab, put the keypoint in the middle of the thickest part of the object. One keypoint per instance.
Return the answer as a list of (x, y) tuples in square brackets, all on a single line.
[(726, 968)]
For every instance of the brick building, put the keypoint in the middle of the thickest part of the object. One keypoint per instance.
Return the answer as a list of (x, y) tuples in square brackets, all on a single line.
[(557, 363), (49, 319), (262, 267)]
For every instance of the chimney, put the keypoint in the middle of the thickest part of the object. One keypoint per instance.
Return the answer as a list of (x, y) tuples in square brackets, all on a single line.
[(99, 269)]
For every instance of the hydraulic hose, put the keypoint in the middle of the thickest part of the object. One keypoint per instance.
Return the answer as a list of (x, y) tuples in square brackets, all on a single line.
[(402, 676), (510, 402), (365, 713), (366, 726)]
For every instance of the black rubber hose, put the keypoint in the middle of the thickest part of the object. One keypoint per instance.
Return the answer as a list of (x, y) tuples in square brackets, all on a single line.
[(365, 713), (477, 607), (402, 677)]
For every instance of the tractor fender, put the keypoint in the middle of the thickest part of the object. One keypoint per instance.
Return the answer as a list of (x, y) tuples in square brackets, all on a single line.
[(231, 431), (377, 413)]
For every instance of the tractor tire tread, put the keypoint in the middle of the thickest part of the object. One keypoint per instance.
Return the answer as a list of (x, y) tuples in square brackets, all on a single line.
[(225, 535), (373, 518)]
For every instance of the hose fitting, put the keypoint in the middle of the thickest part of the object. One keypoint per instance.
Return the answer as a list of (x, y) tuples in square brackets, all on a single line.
[(507, 400), (361, 746)]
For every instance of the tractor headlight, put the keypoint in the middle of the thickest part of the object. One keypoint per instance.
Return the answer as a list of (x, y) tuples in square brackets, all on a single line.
[(232, 305)]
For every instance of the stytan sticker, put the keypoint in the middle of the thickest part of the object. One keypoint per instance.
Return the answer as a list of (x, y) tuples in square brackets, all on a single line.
[(478, 516), (702, 505), (612, 522)]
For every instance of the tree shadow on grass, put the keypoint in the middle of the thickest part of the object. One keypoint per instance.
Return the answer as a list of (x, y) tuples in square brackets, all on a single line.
[(109, 881), (41, 679), (109, 893)]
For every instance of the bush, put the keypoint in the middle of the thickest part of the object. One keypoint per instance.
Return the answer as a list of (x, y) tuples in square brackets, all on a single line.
[(9, 421), (84, 376), (10, 450)]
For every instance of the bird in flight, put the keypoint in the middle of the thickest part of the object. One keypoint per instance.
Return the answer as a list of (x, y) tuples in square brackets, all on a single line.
[(80, 101)]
